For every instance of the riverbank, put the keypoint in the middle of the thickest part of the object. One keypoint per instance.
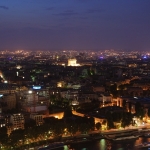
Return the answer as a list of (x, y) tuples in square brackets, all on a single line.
[(85, 138)]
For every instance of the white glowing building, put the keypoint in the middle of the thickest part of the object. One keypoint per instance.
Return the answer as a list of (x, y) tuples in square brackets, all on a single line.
[(72, 62)]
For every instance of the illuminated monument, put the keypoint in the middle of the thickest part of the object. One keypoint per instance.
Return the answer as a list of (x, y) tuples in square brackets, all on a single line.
[(72, 62)]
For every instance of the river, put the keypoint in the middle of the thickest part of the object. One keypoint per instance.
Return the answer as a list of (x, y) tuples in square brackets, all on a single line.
[(104, 144)]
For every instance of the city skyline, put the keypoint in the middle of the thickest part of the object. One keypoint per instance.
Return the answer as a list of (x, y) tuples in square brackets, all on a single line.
[(76, 24)]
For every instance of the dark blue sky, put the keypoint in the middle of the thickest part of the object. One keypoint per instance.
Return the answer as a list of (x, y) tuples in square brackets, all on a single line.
[(75, 24)]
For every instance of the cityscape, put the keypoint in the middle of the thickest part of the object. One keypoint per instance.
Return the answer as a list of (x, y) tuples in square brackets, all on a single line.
[(56, 96), (74, 75)]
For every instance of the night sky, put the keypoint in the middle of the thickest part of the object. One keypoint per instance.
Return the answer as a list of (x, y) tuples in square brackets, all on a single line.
[(74, 24)]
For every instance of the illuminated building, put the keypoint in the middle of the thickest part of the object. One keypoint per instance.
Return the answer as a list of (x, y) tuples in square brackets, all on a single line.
[(61, 84), (38, 118), (34, 100), (17, 121), (18, 67), (6, 88), (1, 75), (72, 62)]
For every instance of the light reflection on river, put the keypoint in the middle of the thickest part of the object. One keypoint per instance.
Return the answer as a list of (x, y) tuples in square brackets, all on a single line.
[(103, 144)]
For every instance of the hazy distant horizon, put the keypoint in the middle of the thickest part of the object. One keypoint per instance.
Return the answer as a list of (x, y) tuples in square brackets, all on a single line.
[(80, 50)]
